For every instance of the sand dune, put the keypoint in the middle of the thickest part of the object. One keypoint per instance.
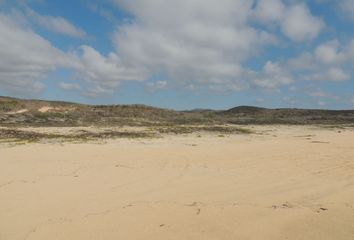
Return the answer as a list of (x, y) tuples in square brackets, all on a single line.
[(288, 183)]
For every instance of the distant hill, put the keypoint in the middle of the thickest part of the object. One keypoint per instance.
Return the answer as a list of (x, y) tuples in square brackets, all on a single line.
[(19, 112), (245, 109)]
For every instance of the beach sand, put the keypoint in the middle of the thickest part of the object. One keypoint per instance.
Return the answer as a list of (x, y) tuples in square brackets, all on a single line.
[(290, 182)]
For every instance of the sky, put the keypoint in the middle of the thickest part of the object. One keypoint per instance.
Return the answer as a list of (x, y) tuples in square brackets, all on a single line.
[(183, 54)]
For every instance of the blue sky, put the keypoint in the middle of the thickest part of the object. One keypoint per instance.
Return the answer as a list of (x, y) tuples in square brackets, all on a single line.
[(180, 54)]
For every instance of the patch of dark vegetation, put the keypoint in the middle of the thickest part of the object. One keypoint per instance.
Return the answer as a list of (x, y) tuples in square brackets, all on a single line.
[(7, 106), (14, 134), (114, 134), (31, 136), (193, 129), (338, 126)]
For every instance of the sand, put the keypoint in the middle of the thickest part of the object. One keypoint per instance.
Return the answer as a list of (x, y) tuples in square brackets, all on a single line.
[(288, 183)]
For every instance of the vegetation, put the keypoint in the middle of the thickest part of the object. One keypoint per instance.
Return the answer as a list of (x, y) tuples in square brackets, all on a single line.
[(17, 112), (16, 135)]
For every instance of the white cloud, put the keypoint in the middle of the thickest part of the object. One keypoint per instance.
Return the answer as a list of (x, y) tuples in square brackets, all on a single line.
[(155, 86), (338, 74), (295, 19), (320, 94), (347, 6), (303, 62), (97, 91), (272, 76), (69, 86), (193, 42), (270, 10), (105, 73), (26, 58), (328, 53), (56, 24), (330, 61), (333, 74), (299, 25)]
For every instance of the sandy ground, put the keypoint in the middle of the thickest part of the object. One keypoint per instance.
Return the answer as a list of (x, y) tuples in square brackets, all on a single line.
[(289, 183)]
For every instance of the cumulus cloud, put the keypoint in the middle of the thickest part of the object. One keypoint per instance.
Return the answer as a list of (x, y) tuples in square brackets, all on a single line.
[(338, 75), (330, 61), (328, 53), (27, 59), (334, 74), (191, 41), (300, 25), (270, 11), (205, 43), (56, 24), (347, 6), (104, 71), (295, 20), (272, 76)]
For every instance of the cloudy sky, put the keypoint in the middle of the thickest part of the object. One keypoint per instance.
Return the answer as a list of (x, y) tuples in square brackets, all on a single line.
[(180, 54)]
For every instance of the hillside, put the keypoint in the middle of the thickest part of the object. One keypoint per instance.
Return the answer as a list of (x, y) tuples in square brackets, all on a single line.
[(18, 112)]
